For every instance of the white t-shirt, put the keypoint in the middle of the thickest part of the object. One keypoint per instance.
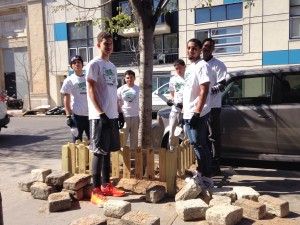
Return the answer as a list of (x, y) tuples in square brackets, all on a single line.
[(197, 73), (76, 87), (129, 97), (219, 72), (176, 84), (105, 74)]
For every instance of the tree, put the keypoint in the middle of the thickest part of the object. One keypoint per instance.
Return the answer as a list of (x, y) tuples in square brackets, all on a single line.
[(145, 18)]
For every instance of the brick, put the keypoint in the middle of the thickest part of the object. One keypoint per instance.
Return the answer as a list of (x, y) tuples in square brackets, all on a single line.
[(155, 194), (246, 192), (224, 192), (90, 220), (57, 178), (141, 218), (252, 209), (59, 201), (220, 215), (115, 221), (40, 174), (41, 190), (77, 181), (116, 208), (75, 195), (274, 205), (190, 191), (87, 191), (220, 200), (25, 185), (193, 209)]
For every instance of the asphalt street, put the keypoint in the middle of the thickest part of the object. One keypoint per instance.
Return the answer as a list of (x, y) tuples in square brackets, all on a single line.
[(32, 142)]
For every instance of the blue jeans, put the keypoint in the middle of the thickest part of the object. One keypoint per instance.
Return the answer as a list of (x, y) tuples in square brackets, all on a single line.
[(198, 138)]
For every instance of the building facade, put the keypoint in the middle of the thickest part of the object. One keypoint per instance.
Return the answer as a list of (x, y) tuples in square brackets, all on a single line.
[(37, 38)]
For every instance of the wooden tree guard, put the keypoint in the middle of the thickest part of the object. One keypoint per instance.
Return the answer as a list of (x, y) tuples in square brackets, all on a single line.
[(76, 158)]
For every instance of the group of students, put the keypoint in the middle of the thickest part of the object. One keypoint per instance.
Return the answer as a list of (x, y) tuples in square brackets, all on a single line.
[(95, 105), (195, 97)]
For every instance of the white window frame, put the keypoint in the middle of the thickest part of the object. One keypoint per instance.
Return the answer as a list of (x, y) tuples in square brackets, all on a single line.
[(215, 37)]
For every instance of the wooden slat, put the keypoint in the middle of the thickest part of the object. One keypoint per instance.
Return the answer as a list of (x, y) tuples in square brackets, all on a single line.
[(171, 171), (91, 155), (65, 158), (81, 159), (115, 167), (138, 163), (179, 162), (126, 162), (162, 164), (72, 157), (150, 164)]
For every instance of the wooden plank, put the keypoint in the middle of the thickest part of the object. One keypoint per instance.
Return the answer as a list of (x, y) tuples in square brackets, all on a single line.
[(179, 165), (91, 155), (150, 164), (81, 159), (162, 164), (171, 171), (65, 158), (122, 141), (115, 167), (72, 157), (138, 163), (126, 162)]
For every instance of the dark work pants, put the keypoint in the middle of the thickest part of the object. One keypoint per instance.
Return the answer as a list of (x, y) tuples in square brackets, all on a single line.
[(83, 124), (214, 133)]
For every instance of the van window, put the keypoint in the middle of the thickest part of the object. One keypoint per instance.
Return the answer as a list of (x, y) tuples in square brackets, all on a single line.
[(243, 91), (290, 88)]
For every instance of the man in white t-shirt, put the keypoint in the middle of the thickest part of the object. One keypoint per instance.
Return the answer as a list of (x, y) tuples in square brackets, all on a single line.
[(218, 83), (75, 99), (105, 118), (128, 96), (176, 85), (196, 95)]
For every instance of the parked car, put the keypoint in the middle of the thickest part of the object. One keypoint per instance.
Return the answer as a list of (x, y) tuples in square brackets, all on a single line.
[(260, 115), (160, 97), (4, 117)]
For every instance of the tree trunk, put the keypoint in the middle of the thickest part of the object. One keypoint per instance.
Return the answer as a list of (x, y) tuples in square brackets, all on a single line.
[(142, 11), (146, 68)]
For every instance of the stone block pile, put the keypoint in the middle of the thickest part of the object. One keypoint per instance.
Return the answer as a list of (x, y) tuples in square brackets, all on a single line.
[(218, 206), (226, 206), (59, 188)]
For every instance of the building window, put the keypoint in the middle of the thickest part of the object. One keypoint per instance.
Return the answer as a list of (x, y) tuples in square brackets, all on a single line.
[(295, 19), (80, 41), (219, 13), (228, 39)]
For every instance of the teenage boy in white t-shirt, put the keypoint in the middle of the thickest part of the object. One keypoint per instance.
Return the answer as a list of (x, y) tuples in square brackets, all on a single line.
[(196, 95), (218, 83), (105, 118), (128, 96), (176, 85), (75, 99)]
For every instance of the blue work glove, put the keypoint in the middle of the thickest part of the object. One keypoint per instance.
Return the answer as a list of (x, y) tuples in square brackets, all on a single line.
[(70, 121), (121, 120)]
